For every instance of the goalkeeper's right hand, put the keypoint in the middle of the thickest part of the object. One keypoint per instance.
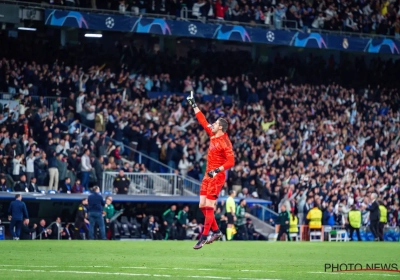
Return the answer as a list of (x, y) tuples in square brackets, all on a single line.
[(191, 100)]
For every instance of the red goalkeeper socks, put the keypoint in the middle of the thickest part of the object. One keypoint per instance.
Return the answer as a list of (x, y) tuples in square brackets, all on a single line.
[(209, 214), (214, 225), (203, 210)]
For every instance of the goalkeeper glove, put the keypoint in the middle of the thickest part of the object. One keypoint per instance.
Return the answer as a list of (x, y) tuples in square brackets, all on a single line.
[(191, 100), (213, 173)]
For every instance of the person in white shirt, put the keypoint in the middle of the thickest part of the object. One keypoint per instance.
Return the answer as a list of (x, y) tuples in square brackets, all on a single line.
[(79, 102), (17, 166), (86, 169), (224, 86), (61, 148), (91, 112), (190, 229), (196, 8), (30, 167), (184, 165)]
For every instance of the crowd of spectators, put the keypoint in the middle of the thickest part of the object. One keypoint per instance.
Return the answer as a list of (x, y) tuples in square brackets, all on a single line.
[(373, 16), (378, 17), (316, 136)]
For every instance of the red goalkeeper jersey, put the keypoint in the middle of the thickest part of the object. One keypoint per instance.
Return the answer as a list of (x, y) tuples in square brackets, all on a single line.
[(220, 151)]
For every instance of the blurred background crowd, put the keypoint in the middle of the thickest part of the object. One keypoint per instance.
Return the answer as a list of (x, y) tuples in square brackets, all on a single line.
[(303, 130), (374, 16)]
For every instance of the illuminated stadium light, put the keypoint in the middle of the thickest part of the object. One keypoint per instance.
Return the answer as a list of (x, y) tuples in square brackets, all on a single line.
[(27, 28), (93, 35)]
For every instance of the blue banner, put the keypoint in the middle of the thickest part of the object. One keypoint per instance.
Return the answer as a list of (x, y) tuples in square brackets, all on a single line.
[(220, 32)]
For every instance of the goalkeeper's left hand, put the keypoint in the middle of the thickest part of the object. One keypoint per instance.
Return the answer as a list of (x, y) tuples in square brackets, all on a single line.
[(213, 173), (191, 100)]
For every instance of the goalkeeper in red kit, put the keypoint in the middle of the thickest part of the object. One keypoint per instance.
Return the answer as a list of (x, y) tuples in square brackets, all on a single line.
[(220, 158)]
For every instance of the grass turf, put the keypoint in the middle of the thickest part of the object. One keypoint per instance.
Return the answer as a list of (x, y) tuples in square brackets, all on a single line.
[(177, 260)]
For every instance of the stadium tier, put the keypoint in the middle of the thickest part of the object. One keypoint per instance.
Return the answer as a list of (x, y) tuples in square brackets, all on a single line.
[(312, 113)]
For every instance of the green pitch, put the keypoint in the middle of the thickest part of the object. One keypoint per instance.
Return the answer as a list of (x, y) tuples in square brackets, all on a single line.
[(177, 260)]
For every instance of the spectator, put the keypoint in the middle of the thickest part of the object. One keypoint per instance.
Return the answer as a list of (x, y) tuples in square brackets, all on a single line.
[(184, 165), (251, 232), (26, 231), (191, 226), (30, 166), (86, 169), (77, 188), (153, 229), (42, 232), (17, 165), (66, 186), (62, 167), (53, 171), (22, 185), (196, 9), (33, 187), (3, 185), (56, 229), (328, 217)]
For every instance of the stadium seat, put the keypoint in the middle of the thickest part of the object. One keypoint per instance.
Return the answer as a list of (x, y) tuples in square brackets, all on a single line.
[(341, 235), (295, 237), (315, 236), (338, 235), (125, 227), (272, 237), (117, 229), (136, 228), (107, 193)]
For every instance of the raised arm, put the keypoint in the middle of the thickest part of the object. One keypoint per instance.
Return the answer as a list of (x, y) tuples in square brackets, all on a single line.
[(199, 115), (204, 123)]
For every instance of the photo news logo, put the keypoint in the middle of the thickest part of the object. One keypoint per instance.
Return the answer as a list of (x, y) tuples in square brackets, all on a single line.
[(351, 267)]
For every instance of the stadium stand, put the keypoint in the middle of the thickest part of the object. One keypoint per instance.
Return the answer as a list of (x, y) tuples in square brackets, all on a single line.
[(304, 130), (368, 17)]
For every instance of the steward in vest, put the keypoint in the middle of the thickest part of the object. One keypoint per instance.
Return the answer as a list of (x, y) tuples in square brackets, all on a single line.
[(314, 217), (382, 219), (293, 223), (355, 222)]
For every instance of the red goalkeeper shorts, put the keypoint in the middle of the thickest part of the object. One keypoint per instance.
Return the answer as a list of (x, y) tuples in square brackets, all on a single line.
[(211, 187)]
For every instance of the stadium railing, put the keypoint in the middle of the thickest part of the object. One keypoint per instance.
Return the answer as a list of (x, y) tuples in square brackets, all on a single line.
[(47, 100), (263, 213), (133, 155), (184, 16), (153, 184)]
